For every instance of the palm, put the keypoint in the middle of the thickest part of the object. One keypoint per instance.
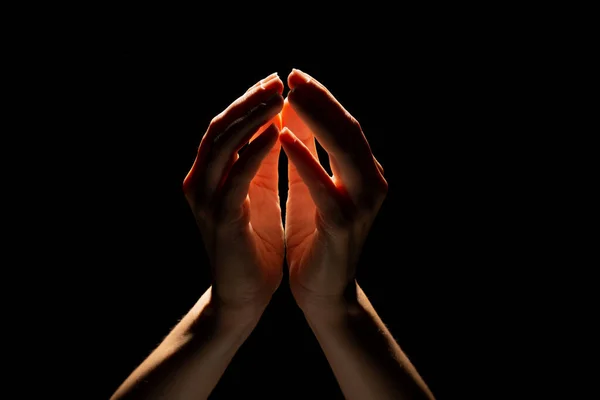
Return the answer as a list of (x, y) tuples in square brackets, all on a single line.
[(255, 238), (305, 242), (262, 203)]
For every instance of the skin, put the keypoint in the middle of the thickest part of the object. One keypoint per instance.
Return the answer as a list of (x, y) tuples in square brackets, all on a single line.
[(235, 200), (328, 220)]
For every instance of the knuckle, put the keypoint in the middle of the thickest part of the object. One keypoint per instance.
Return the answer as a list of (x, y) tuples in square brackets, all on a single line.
[(216, 121), (187, 185), (191, 190), (382, 188), (371, 199), (243, 98), (385, 187), (197, 198), (354, 124)]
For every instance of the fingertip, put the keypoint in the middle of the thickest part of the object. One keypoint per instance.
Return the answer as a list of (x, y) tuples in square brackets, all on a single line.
[(264, 142), (297, 78), (287, 137), (291, 119), (278, 101), (275, 84), (279, 86), (271, 133), (270, 77), (299, 95)]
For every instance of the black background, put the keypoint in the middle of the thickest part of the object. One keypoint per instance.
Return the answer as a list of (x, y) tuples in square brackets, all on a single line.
[(439, 111)]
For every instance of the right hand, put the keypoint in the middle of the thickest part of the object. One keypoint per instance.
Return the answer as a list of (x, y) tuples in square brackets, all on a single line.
[(235, 198), (328, 217)]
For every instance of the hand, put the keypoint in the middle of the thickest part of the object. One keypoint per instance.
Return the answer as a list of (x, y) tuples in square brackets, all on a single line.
[(327, 218), (235, 197), (235, 201)]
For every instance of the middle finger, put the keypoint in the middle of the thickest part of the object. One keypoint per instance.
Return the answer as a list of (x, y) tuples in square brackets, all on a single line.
[(335, 129)]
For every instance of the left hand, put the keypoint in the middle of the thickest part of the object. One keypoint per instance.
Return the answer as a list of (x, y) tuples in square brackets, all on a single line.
[(327, 218), (235, 198)]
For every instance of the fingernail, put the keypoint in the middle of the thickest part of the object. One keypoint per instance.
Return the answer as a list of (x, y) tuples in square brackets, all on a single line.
[(304, 75), (288, 135), (268, 79)]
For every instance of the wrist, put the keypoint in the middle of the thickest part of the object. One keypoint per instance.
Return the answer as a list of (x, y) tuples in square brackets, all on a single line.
[(239, 303), (332, 308), (211, 314), (238, 317)]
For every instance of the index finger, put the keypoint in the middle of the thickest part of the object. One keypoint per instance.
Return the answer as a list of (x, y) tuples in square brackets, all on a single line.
[(336, 130), (244, 106)]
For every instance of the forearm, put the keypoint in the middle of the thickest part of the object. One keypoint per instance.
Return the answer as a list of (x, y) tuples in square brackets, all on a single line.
[(191, 359), (365, 358)]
